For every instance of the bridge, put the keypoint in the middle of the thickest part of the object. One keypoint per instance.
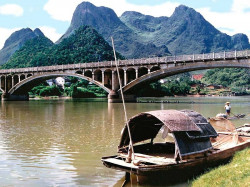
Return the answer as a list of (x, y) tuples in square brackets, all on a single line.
[(15, 83)]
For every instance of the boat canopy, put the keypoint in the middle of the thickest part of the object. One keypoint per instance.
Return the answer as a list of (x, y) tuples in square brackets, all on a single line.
[(191, 130)]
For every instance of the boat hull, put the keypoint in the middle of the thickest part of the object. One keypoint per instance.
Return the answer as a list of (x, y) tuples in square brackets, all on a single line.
[(181, 169)]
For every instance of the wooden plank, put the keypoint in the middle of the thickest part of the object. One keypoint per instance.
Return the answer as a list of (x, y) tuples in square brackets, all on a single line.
[(152, 159), (120, 163)]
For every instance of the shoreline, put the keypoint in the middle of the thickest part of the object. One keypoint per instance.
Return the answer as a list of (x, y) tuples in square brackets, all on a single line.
[(165, 99)]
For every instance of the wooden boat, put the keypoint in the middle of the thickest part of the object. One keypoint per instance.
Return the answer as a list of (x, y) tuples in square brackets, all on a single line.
[(175, 144), (237, 116)]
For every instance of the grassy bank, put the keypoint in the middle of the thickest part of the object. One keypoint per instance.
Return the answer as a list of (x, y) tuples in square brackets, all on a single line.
[(236, 173)]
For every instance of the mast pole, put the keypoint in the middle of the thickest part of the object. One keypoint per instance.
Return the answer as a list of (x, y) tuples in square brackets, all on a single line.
[(131, 148)]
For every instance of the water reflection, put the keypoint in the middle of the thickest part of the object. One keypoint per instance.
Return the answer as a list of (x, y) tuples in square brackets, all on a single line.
[(60, 142)]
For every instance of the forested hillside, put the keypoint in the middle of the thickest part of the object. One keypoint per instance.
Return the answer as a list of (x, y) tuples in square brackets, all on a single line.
[(16, 41), (85, 45), (234, 78)]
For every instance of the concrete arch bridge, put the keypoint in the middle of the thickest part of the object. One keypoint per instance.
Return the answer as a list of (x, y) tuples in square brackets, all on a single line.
[(15, 83)]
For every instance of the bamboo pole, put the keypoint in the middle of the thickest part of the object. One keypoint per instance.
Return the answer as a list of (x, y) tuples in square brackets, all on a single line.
[(131, 148)]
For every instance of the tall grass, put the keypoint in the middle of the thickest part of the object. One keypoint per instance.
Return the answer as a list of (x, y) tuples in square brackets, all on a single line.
[(235, 174)]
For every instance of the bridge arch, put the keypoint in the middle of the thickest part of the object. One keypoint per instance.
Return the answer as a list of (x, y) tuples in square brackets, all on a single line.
[(88, 73), (121, 73), (8, 82), (15, 79), (2, 87), (154, 68), (142, 71), (79, 72), (29, 75), (98, 75), (169, 71), (131, 74), (22, 77), (108, 78), (22, 87)]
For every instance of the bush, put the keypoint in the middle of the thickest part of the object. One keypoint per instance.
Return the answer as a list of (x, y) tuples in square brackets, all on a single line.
[(50, 91), (78, 92)]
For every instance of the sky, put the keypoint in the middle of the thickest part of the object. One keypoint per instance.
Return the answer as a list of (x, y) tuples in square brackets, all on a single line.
[(53, 16)]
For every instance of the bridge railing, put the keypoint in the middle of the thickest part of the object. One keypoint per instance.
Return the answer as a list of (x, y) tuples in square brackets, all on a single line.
[(130, 62)]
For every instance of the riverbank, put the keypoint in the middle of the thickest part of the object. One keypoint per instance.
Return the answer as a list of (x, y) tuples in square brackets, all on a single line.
[(236, 173), (189, 99)]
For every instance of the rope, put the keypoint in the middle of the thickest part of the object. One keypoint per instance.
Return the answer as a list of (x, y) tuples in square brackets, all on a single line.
[(123, 102)]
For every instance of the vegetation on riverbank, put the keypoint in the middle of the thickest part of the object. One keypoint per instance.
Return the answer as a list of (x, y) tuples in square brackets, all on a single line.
[(220, 82), (180, 85), (176, 85), (74, 88), (237, 79), (236, 173)]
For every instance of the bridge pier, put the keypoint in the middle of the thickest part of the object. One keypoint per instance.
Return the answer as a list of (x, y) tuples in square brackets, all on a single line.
[(115, 97), (8, 97)]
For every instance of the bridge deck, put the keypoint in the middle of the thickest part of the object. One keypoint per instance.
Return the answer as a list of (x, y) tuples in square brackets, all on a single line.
[(138, 62)]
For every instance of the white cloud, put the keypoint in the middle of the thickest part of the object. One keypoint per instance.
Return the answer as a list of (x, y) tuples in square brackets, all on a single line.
[(232, 22), (240, 5), (11, 9), (63, 9), (5, 33), (50, 32)]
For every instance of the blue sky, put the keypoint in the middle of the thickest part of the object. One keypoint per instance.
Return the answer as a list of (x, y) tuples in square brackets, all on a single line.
[(53, 16), (215, 5)]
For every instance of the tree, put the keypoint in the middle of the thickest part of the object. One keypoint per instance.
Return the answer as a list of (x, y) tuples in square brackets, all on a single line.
[(198, 89)]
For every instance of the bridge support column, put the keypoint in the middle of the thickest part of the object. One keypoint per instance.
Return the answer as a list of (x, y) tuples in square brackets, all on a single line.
[(8, 97), (103, 78), (115, 97), (125, 78), (5, 84), (136, 73), (115, 81), (13, 82)]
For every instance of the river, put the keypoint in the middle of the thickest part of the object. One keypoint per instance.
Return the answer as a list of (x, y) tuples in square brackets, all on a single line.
[(61, 142)]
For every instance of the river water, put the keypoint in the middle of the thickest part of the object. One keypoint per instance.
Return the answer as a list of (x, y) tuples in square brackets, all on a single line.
[(61, 142)]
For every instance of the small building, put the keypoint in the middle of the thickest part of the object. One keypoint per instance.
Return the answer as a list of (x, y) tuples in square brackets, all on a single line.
[(197, 77), (60, 81)]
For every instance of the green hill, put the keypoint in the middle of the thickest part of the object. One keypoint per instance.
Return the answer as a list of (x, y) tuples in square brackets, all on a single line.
[(16, 41), (85, 45)]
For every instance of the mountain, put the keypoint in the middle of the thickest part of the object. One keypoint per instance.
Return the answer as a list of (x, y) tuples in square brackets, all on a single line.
[(85, 45), (106, 22), (185, 32), (137, 35), (16, 41), (30, 54)]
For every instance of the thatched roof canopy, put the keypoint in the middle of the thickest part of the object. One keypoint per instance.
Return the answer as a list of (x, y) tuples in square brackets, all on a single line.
[(191, 130)]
